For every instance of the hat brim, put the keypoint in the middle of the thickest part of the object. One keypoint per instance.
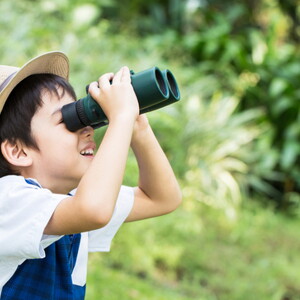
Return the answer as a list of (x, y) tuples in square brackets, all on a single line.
[(54, 62)]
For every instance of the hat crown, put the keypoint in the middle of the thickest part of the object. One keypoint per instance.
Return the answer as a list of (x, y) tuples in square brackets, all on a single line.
[(54, 62)]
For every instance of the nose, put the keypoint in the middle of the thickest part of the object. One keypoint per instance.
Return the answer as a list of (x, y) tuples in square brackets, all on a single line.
[(87, 131)]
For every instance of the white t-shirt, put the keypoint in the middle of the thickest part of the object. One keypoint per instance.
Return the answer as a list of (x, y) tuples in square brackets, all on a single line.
[(25, 209)]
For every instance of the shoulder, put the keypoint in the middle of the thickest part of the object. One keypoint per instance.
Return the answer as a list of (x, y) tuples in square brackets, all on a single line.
[(10, 184), (17, 181), (13, 186), (18, 193), (25, 210), (11, 179)]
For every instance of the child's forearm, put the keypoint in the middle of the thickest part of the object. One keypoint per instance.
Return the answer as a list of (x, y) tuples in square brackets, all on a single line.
[(100, 186), (156, 177)]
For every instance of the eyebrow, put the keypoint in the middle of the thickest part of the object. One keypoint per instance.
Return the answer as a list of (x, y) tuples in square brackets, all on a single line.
[(56, 111)]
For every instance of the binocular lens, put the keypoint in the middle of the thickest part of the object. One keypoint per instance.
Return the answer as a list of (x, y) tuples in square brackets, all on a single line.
[(172, 84), (161, 82), (149, 86), (174, 93)]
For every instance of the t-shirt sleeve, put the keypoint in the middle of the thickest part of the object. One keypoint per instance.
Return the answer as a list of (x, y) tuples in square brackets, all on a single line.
[(25, 210), (100, 239)]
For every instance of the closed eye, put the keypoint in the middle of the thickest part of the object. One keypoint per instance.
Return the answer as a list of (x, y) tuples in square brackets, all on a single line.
[(59, 121)]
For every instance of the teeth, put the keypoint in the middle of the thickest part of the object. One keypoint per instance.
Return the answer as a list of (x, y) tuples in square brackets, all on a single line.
[(87, 152)]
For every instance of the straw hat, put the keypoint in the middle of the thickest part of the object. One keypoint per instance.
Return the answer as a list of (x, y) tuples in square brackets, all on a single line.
[(51, 62)]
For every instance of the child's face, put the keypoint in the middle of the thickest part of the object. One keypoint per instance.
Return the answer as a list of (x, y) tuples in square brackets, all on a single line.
[(63, 156)]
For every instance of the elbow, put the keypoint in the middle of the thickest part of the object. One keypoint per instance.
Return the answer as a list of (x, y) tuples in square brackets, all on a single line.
[(97, 217), (101, 217), (177, 199), (177, 196), (100, 221)]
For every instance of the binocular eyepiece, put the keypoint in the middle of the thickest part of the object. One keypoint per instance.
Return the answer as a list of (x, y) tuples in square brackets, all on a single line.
[(154, 89)]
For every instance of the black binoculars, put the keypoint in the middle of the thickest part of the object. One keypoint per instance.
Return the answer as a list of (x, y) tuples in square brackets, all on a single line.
[(154, 89)]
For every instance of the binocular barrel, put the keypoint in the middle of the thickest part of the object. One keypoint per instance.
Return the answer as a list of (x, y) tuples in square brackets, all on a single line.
[(154, 89)]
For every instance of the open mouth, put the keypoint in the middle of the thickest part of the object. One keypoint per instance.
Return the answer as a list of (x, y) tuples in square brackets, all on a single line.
[(87, 152)]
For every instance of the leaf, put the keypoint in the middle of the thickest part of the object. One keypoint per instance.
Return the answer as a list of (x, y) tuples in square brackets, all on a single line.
[(291, 151), (278, 85)]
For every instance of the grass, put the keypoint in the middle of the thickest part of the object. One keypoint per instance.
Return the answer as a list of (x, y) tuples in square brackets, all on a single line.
[(200, 254), (113, 284)]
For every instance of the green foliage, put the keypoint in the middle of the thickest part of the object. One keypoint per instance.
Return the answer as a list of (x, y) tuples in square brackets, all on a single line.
[(279, 87), (217, 143), (199, 254), (258, 63)]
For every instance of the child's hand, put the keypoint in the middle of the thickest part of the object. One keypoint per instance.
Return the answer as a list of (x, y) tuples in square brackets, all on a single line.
[(115, 95), (141, 123), (141, 128)]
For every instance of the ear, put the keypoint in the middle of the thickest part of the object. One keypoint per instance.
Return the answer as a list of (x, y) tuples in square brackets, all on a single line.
[(16, 154)]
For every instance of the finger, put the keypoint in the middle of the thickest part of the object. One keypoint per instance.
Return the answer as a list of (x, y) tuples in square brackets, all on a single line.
[(94, 89), (125, 77), (93, 85), (104, 80), (118, 76)]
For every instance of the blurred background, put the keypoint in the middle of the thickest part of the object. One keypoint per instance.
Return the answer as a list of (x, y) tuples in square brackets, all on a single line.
[(233, 139)]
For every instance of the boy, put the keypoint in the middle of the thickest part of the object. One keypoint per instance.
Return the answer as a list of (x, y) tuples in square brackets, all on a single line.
[(58, 199)]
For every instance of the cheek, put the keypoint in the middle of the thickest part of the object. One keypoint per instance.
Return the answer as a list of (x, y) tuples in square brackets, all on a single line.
[(59, 164), (59, 148)]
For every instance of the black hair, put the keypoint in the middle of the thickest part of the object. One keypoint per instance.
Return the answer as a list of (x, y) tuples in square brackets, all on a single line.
[(20, 107)]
